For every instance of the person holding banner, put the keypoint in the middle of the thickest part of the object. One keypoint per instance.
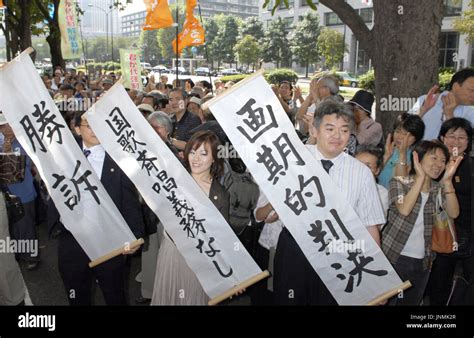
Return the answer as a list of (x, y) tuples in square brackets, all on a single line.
[(295, 281), (72, 260), (406, 238), (175, 282)]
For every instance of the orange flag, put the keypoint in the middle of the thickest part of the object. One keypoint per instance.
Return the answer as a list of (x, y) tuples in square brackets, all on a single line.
[(1, 4), (158, 14), (193, 32)]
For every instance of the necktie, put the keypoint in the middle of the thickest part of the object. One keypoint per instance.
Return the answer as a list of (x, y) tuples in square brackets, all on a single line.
[(327, 165), (87, 152)]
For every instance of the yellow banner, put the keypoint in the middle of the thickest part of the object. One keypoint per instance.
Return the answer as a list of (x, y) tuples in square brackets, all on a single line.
[(192, 33), (70, 40), (158, 14)]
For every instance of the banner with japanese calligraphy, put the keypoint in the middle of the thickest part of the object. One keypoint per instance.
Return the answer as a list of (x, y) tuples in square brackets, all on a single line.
[(199, 231), (131, 68), (83, 203), (192, 33), (158, 14), (301, 192), (71, 45)]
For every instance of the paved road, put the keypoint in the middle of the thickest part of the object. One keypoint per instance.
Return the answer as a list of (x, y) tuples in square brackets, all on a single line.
[(45, 286)]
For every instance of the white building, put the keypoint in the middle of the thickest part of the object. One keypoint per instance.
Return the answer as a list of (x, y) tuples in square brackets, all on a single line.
[(452, 45), (131, 24), (100, 18)]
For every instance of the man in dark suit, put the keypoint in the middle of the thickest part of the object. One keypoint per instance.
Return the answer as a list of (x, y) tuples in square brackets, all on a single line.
[(72, 260)]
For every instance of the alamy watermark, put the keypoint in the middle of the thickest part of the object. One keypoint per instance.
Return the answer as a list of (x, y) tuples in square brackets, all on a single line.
[(401, 104), (27, 246)]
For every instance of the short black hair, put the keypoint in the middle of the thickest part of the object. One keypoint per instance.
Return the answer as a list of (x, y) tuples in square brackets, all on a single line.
[(427, 147), (206, 84), (286, 82), (179, 90), (461, 76), (78, 117), (412, 124), (330, 107), (374, 151), (457, 123)]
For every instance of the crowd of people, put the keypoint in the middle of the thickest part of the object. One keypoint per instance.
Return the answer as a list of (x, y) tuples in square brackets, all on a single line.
[(424, 157)]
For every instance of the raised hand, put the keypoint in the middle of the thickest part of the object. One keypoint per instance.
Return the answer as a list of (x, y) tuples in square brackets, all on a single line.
[(451, 168), (389, 147), (420, 173), (430, 99), (449, 104)]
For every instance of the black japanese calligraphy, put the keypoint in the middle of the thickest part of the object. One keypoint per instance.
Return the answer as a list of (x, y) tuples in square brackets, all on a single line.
[(257, 121), (48, 123), (75, 198), (359, 267), (296, 200)]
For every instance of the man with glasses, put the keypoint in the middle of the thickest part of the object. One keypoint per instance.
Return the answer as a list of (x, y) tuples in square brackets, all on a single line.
[(458, 101)]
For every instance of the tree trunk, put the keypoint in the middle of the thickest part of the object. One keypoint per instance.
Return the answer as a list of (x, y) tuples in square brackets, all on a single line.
[(403, 45), (54, 42), (307, 68)]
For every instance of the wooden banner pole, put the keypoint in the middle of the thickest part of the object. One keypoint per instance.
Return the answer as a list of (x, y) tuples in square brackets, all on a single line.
[(116, 252), (389, 294), (245, 284)]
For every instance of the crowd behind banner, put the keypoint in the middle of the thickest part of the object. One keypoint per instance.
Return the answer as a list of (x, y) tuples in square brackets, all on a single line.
[(418, 169)]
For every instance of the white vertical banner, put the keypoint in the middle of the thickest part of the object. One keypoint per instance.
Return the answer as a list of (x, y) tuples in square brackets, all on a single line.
[(199, 231), (310, 205), (83, 203)]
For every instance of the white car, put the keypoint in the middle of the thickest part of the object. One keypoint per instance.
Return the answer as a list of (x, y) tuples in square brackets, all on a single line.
[(230, 71), (160, 69)]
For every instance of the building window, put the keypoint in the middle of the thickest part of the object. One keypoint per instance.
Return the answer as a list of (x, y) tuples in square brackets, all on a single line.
[(331, 19), (288, 22), (291, 4), (448, 49), (363, 61), (452, 7), (367, 14)]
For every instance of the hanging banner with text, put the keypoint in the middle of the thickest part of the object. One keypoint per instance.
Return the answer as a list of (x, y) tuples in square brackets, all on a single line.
[(86, 209), (131, 69), (71, 46), (199, 231), (312, 208)]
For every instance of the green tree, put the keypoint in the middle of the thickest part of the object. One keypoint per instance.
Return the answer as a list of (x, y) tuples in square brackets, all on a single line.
[(223, 45), (252, 26), (304, 42), (465, 24), (211, 29), (275, 45), (248, 50), (401, 28), (148, 43), (331, 47)]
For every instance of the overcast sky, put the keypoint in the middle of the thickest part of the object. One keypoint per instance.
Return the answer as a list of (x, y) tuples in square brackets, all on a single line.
[(135, 6)]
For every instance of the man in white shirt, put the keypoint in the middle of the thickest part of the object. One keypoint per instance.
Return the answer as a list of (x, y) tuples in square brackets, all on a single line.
[(458, 101), (296, 282)]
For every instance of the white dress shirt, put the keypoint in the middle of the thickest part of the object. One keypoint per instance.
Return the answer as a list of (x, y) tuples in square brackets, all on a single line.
[(357, 184)]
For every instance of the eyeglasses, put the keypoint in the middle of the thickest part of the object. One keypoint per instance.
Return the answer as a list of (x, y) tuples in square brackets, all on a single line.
[(454, 138)]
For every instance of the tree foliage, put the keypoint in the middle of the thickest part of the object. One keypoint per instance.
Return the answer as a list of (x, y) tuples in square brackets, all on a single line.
[(248, 50), (275, 44), (304, 42), (331, 47), (465, 24)]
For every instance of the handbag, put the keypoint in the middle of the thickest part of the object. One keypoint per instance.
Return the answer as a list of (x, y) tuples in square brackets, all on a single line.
[(12, 168), (15, 209), (443, 238)]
